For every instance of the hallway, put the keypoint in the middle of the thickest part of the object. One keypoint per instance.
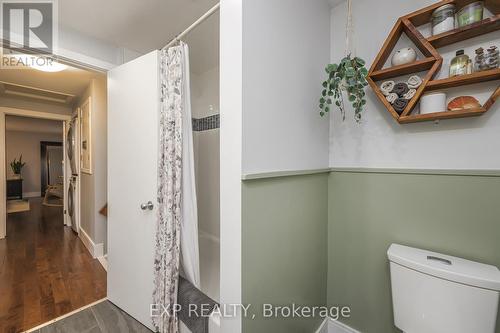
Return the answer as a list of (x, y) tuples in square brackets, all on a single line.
[(45, 270)]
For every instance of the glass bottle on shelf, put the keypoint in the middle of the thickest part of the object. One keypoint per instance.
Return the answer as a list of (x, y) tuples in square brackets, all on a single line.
[(459, 64), (470, 67)]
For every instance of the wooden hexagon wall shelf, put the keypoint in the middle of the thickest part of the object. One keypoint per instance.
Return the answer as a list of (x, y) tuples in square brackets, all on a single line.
[(433, 61)]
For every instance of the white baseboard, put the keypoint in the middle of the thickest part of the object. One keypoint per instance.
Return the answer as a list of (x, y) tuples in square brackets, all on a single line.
[(323, 328), (32, 195), (96, 250), (333, 326), (104, 262)]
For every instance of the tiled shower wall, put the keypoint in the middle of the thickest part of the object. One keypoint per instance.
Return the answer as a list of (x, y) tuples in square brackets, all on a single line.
[(205, 110), (207, 123), (205, 104)]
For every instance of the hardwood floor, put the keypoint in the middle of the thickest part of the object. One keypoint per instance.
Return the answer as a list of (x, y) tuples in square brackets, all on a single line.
[(45, 270)]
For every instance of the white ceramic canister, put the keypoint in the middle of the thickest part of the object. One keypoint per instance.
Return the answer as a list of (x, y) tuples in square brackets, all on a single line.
[(433, 102), (443, 19)]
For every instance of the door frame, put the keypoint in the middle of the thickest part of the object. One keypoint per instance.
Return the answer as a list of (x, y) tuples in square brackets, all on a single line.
[(44, 167), (6, 111)]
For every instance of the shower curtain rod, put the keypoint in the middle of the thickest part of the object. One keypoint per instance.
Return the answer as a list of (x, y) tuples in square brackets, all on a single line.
[(194, 25)]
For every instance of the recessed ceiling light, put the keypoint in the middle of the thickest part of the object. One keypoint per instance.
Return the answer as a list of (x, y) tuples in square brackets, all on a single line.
[(53, 67)]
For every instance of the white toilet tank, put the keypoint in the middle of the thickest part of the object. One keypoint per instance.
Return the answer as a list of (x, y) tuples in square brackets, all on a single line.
[(436, 293)]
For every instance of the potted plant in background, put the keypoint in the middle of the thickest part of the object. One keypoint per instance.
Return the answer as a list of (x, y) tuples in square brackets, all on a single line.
[(17, 167), (348, 78)]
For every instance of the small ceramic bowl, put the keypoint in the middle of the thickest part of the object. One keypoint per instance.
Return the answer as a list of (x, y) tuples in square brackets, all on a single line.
[(404, 56)]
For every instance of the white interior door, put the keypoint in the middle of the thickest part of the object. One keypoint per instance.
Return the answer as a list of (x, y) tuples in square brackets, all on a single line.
[(133, 113)]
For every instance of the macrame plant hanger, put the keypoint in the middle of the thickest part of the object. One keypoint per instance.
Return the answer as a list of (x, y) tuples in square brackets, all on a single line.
[(349, 32)]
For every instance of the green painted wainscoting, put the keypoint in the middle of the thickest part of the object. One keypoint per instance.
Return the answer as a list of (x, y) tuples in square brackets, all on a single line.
[(456, 215), (284, 248)]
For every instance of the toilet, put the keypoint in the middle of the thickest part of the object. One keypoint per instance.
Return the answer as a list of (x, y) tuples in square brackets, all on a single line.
[(436, 293)]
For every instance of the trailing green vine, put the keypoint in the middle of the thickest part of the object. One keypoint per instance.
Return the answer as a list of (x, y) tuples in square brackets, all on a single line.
[(348, 77)]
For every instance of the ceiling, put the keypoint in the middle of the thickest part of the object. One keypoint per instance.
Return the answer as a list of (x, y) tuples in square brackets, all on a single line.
[(72, 81), (146, 25), (141, 26), (33, 125)]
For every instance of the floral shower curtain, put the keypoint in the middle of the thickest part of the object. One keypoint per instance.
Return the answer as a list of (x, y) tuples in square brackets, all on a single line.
[(177, 225)]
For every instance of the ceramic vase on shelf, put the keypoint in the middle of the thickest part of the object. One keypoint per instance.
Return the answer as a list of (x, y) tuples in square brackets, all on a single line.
[(404, 56)]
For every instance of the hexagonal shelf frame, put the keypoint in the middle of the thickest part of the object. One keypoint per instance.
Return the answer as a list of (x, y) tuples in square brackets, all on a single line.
[(433, 61)]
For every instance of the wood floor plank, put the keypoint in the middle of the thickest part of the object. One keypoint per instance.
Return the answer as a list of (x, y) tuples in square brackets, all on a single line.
[(45, 270)]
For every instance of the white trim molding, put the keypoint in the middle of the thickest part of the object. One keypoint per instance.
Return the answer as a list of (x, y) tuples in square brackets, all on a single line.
[(443, 172), (323, 328), (286, 173), (96, 250), (231, 111), (334, 326), (33, 114), (104, 262), (3, 179)]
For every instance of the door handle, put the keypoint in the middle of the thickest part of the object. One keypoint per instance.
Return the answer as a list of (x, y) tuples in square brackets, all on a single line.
[(149, 205)]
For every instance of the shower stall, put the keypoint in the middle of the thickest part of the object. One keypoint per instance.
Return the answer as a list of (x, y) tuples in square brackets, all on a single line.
[(205, 106), (163, 185)]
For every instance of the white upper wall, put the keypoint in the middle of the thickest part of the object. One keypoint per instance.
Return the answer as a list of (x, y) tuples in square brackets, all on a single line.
[(286, 45), (91, 51), (380, 142), (205, 93)]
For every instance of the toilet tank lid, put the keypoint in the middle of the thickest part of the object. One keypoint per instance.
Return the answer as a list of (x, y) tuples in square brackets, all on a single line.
[(446, 267)]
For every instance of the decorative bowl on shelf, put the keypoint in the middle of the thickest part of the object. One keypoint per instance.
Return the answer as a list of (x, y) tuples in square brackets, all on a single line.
[(404, 56), (463, 103)]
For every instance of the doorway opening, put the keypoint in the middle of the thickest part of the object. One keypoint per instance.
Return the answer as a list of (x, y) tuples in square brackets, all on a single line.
[(53, 173)]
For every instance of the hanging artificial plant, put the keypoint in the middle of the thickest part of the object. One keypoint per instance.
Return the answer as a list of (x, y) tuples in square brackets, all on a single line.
[(347, 77)]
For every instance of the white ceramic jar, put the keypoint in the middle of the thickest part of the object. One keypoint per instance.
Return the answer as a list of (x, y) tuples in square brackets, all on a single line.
[(433, 102), (443, 19), (404, 56)]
